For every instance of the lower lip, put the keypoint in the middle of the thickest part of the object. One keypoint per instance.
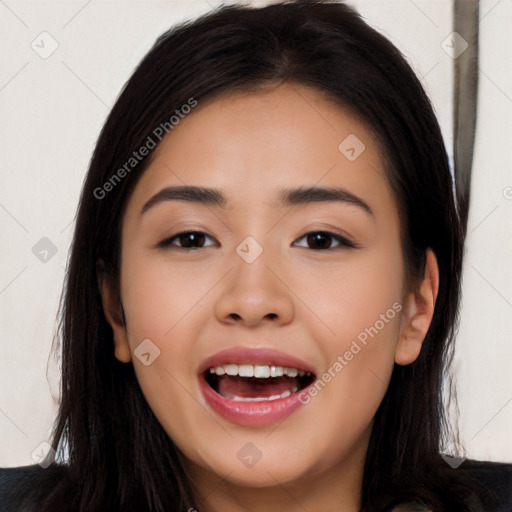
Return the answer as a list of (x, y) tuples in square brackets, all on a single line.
[(250, 414)]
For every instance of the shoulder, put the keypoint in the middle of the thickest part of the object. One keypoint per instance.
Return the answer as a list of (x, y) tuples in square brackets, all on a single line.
[(488, 471), (22, 487), (487, 484), (470, 486)]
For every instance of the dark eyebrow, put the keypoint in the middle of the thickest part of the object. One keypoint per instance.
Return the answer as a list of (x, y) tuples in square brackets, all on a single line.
[(305, 195), (208, 196), (287, 197)]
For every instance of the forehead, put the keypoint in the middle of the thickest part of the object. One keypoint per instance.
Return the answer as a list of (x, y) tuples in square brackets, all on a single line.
[(252, 145)]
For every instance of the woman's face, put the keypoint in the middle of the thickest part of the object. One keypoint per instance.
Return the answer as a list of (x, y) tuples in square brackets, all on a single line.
[(298, 288)]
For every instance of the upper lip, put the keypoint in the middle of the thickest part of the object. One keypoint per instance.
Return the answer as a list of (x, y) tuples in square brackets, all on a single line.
[(258, 356)]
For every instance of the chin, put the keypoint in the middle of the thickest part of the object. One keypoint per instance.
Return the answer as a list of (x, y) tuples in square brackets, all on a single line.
[(259, 463)]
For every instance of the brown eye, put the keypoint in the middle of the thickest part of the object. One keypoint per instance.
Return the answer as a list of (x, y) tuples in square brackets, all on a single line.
[(187, 240), (323, 240)]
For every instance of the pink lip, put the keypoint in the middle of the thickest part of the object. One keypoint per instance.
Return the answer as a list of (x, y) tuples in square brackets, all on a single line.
[(252, 414)]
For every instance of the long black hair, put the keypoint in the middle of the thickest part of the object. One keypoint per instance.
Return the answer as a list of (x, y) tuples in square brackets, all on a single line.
[(120, 458)]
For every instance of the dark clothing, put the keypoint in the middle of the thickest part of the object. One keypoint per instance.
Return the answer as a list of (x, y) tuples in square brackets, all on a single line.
[(22, 488)]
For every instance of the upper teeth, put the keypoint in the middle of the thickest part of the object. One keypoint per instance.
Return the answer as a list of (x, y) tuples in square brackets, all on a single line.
[(256, 370)]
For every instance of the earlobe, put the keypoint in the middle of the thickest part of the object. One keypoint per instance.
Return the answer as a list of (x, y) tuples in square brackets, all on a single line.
[(418, 313), (114, 315)]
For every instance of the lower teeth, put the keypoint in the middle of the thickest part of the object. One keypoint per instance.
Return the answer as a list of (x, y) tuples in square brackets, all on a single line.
[(264, 398)]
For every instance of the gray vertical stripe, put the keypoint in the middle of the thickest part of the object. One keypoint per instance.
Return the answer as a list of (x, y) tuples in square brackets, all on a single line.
[(466, 19)]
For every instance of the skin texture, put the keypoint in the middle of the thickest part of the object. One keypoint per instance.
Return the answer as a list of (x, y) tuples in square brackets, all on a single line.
[(294, 297)]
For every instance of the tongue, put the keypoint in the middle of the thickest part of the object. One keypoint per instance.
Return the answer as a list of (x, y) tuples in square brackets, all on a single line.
[(250, 387)]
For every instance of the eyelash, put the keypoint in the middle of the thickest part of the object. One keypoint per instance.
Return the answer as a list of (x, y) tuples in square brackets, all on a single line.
[(344, 243)]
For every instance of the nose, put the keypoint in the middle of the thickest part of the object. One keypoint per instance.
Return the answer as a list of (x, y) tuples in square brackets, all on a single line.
[(255, 294)]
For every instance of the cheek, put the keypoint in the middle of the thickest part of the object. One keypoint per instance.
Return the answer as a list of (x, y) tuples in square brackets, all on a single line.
[(158, 296), (360, 363), (359, 307), (352, 295), (158, 305)]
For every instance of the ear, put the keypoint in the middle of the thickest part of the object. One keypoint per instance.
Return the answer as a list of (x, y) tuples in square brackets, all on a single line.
[(113, 311), (418, 312)]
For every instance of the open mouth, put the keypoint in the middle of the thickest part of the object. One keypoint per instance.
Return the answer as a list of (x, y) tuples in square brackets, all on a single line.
[(256, 383)]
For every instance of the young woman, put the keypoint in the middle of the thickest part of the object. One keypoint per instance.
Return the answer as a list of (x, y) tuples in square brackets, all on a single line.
[(263, 286)]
